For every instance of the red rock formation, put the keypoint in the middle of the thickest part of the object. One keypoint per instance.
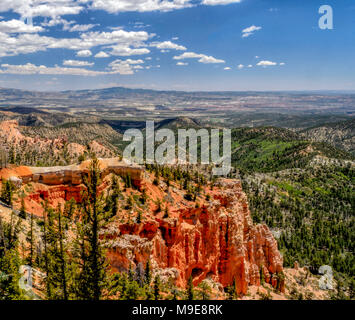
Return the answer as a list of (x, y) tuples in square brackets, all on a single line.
[(218, 241)]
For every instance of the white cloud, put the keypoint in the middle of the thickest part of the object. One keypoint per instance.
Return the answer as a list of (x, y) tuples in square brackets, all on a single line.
[(202, 57), (57, 8), (57, 21), (127, 51), (114, 6), (266, 63), (123, 67), (219, 2), (250, 65), (117, 38), (249, 31), (84, 53), (102, 54), (77, 63), (122, 43), (282, 63), (210, 59), (80, 27), (182, 63), (168, 45), (42, 8), (22, 44), (30, 68), (227, 68), (241, 66), (18, 26)]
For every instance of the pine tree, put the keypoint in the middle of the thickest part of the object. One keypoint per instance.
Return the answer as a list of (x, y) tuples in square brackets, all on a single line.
[(148, 273), (93, 276), (140, 276), (22, 213), (31, 241), (12, 155), (205, 290), (112, 198), (47, 258), (190, 289), (10, 260), (63, 257), (6, 192), (157, 288)]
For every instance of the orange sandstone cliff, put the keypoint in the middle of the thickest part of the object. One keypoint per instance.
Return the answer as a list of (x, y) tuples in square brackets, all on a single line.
[(214, 240)]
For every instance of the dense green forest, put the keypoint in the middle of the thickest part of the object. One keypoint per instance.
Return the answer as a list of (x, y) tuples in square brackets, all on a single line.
[(308, 204)]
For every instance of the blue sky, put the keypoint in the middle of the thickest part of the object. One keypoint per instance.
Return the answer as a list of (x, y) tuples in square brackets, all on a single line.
[(176, 44)]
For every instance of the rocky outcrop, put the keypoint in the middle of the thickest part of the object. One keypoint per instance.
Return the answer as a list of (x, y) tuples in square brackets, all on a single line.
[(216, 241), (73, 174)]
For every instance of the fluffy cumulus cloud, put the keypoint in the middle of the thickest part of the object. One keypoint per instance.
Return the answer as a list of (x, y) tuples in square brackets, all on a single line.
[(77, 63), (22, 44), (123, 67), (22, 36), (18, 26), (55, 8), (114, 6), (117, 38), (124, 51), (102, 54), (84, 53), (29, 69), (266, 63), (219, 2), (80, 27), (202, 57), (168, 45), (247, 32), (126, 67), (42, 8)]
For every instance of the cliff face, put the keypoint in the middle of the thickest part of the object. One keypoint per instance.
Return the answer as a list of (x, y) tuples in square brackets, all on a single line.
[(52, 145), (216, 241)]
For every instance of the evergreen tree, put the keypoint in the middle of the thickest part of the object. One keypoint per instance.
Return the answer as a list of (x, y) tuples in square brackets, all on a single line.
[(157, 287), (10, 260), (205, 292), (190, 289), (148, 273), (22, 213), (31, 241), (93, 269), (6, 192)]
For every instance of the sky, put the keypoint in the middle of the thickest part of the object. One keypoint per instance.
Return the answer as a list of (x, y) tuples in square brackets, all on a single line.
[(189, 45)]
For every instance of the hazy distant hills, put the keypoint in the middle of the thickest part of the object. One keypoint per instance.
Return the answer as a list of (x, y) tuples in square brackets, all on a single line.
[(312, 116), (339, 134)]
